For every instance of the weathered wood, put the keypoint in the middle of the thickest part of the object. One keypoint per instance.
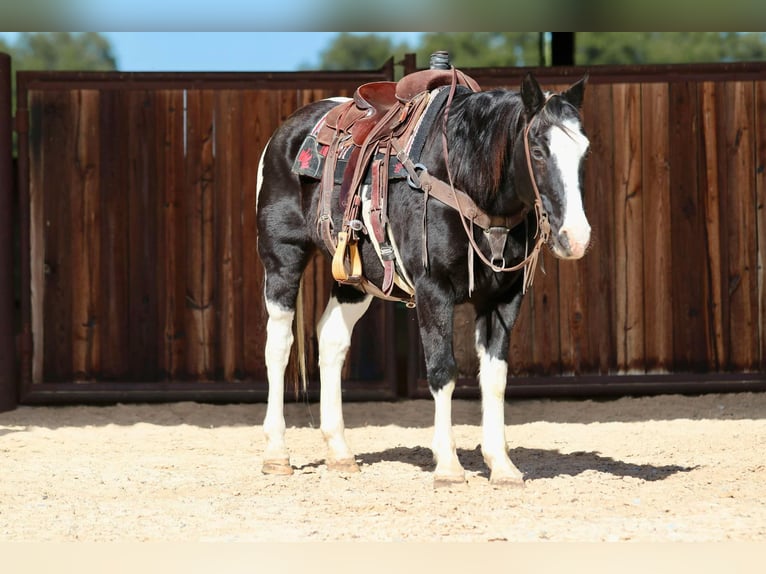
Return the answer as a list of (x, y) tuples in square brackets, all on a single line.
[(545, 359), (710, 183), (37, 235), (59, 121), (598, 264), (171, 232), (227, 214), (690, 274), (142, 236), (113, 306), (739, 191), (85, 243), (658, 263), (628, 228), (760, 214), (200, 173)]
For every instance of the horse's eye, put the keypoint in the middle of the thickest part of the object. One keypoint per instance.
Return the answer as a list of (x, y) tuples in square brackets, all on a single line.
[(538, 153)]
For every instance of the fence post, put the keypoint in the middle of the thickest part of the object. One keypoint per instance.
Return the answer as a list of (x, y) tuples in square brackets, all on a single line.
[(8, 386)]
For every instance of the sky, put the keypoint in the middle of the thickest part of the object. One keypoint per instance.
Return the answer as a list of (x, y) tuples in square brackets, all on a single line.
[(219, 51)]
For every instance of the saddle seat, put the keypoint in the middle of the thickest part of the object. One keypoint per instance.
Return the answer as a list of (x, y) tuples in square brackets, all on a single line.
[(373, 100)]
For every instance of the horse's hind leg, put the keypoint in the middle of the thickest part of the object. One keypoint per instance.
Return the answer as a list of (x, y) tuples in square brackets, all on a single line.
[(345, 308), (279, 340), (284, 264)]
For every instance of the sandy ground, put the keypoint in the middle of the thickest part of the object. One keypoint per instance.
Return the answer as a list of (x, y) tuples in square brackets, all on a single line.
[(665, 468)]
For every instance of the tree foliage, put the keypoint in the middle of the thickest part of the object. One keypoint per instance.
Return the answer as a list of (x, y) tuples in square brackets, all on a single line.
[(482, 49), (87, 51), (592, 48), (501, 49), (360, 52)]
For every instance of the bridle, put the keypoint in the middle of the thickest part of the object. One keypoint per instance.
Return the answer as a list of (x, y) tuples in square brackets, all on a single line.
[(495, 228)]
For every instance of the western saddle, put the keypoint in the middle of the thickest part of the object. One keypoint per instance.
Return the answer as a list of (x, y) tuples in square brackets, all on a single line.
[(365, 142)]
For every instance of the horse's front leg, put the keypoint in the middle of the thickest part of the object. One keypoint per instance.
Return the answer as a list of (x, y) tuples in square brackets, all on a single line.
[(345, 308), (435, 315), (493, 330)]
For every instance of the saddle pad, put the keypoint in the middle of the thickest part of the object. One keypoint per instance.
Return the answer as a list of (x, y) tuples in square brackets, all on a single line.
[(311, 156)]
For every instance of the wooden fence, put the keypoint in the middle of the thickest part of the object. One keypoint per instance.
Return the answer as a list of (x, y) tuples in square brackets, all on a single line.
[(140, 278), (140, 255)]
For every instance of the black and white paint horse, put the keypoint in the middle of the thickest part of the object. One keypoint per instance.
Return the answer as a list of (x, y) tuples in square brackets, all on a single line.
[(508, 151)]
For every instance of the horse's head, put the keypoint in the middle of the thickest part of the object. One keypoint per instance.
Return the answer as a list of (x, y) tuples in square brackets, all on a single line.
[(552, 155)]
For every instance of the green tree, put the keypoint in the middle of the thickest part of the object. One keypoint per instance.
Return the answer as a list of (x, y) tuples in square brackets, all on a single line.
[(349, 51), (593, 48), (87, 51), (502, 49), (360, 52), (482, 49)]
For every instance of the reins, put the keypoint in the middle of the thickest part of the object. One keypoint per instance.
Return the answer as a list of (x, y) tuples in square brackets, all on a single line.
[(496, 228)]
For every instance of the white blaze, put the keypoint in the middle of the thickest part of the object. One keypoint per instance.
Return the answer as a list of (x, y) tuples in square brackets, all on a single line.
[(568, 145)]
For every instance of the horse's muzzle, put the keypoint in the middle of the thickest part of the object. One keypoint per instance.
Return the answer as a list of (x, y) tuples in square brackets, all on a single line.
[(571, 243)]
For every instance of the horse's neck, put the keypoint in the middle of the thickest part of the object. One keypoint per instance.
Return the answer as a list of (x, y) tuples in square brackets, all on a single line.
[(471, 162)]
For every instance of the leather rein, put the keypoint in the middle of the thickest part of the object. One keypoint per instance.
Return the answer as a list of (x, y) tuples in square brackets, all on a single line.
[(496, 228)]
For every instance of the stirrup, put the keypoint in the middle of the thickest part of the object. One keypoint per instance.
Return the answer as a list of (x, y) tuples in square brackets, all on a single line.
[(339, 271)]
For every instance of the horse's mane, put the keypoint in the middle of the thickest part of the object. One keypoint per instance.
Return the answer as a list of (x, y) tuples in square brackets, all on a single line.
[(482, 131)]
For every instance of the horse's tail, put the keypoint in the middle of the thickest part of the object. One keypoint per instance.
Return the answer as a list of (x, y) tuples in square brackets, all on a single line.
[(301, 376)]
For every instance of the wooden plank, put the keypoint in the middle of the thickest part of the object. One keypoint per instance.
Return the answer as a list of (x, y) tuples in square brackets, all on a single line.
[(142, 234), (227, 211), (85, 237), (171, 199), (575, 349), (760, 189), (59, 129), (710, 184), (37, 234), (113, 306), (544, 303), (690, 281), (200, 274), (658, 263), (598, 264), (739, 190), (628, 222)]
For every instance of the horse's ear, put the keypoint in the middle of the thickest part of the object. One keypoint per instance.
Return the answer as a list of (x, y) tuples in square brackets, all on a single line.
[(574, 94), (531, 95)]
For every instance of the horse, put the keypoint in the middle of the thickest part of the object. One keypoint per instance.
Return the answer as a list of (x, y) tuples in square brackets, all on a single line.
[(515, 158)]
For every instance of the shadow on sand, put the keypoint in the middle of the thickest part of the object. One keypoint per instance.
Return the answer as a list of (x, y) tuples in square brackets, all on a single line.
[(533, 463)]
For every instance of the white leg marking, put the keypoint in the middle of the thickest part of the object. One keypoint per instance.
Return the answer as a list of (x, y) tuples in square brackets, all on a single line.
[(492, 378), (279, 339), (335, 329), (448, 468), (567, 146)]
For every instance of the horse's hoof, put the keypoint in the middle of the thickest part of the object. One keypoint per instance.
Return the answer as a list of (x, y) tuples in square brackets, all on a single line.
[(278, 467), (507, 481), (346, 465), (448, 481)]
